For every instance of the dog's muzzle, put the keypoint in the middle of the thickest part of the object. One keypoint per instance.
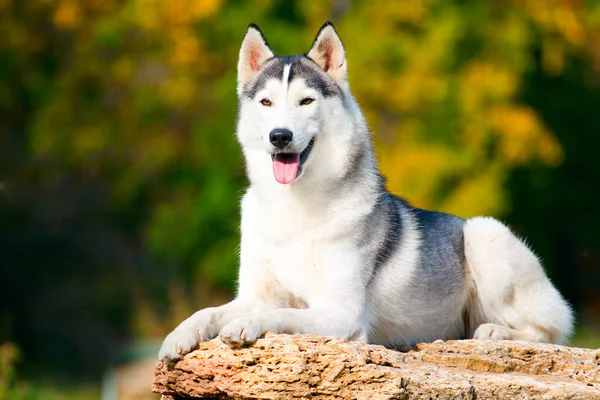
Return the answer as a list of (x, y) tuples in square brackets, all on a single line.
[(288, 166), (280, 137)]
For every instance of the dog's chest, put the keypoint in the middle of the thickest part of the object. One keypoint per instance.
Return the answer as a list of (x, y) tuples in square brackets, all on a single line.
[(297, 245), (297, 266), (297, 261)]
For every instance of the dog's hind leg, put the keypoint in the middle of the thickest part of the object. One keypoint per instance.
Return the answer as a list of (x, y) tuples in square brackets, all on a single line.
[(512, 296)]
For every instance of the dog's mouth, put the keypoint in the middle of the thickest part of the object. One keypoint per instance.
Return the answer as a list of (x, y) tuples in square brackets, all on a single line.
[(288, 166)]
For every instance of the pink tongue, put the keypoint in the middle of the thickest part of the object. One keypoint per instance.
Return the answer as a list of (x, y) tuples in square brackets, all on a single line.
[(285, 167)]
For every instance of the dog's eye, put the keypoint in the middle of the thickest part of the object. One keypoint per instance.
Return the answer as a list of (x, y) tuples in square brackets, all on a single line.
[(306, 101), (266, 102)]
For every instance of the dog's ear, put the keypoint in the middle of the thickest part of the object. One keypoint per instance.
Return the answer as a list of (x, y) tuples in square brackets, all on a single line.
[(253, 54), (328, 52)]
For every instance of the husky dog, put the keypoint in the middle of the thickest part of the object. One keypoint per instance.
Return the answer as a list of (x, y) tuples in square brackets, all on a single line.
[(325, 249)]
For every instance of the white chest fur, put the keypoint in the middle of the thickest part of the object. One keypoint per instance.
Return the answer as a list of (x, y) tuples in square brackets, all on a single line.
[(308, 252)]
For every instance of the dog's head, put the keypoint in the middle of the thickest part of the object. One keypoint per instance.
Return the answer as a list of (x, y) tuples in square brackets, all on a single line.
[(288, 104)]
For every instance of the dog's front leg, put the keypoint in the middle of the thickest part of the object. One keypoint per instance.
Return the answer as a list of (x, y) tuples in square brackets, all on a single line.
[(255, 283), (335, 290), (326, 321), (202, 325)]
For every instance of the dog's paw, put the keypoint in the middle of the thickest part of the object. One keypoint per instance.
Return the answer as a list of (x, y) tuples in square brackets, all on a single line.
[(241, 331), (493, 332), (177, 344), (187, 335)]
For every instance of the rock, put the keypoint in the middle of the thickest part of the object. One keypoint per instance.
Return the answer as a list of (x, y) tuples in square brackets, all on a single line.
[(308, 366)]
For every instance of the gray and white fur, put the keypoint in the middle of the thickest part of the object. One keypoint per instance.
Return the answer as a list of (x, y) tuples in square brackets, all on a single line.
[(325, 249)]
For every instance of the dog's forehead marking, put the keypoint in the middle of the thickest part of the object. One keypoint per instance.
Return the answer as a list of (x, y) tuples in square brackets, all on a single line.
[(304, 68), (285, 78), (286, 69), (272, 69)]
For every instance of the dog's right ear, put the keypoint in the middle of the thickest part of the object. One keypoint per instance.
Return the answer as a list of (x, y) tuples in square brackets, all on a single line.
[(253, 54)]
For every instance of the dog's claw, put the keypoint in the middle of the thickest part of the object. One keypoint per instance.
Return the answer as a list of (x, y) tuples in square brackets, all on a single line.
[(241, 331)]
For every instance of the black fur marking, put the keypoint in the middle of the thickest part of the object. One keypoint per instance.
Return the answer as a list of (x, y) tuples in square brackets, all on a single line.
[(441, 250), (301, 67), (393, 232), (304, 68), (271, 69)]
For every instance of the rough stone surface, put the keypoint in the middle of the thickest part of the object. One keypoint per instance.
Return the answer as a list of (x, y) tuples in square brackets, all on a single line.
[(315, 367)]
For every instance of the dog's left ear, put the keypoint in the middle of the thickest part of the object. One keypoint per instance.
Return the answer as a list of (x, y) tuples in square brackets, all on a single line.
[(328, 52), (254, 53)]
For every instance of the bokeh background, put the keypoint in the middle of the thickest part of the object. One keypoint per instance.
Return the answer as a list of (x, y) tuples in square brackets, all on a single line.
[(120, 176)]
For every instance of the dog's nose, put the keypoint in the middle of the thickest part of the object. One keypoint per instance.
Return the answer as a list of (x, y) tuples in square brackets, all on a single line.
[(280, 137)]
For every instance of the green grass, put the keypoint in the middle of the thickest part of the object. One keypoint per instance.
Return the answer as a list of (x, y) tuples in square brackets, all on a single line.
[(24, 390), (586, 335)]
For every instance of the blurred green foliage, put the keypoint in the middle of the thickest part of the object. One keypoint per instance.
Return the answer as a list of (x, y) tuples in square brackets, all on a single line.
[(121, 177), (12, 388)]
